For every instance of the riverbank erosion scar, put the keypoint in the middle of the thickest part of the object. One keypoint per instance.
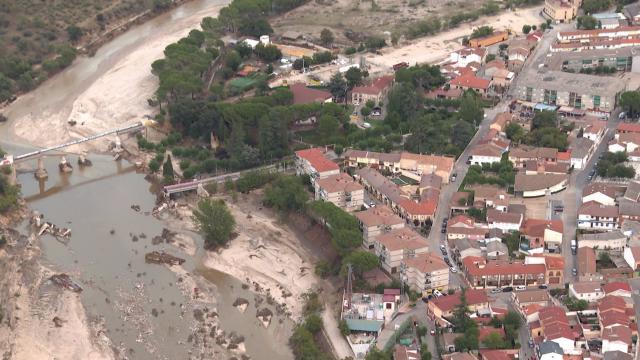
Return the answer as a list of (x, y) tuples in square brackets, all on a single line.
[(38, 319)]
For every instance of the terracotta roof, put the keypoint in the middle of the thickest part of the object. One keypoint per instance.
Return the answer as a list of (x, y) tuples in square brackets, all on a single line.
[(555, 323), (480, 267), (473, 297), (304, 95), (427, 263), (385, 186), (530, 152), (497, 216), (564, 155), (585, 287), (532, 296), (403, 238), (611, 190), (444, 163), (553, 262), (611, 318), (615, 286), (481, 52), (339, 183), (586, 261), (538, 181), (593, 208), (537, 227), (487, 150), (495, 64), (315, 156), (470, 81), (463, 219), (598, 32), (430, 181), (611, 303), (476, 231), (378, 85), (487, 354), (426, 207), (503, 119), (378, 216), (617, 333), (628, 127)]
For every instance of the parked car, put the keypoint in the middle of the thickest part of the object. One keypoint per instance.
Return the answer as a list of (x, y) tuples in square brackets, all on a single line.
[(507, 289), (521, 288), (574, 271), (453, 177), (453, 270), (496, 291), (543, 286), (432, 332), (531, 343)]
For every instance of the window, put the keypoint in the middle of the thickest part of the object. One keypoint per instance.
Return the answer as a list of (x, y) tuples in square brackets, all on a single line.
[(596, 101), (529, 94)]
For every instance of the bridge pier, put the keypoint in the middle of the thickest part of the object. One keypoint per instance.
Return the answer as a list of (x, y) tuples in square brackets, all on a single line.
[(64, 166), (41, 172), (83, 161)]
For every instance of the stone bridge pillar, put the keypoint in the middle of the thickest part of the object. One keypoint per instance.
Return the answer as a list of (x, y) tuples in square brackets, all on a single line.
[(64, 165), (41, 172), (82, 159)]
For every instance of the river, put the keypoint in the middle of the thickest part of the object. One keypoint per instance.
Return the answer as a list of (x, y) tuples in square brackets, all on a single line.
[(95, 202)]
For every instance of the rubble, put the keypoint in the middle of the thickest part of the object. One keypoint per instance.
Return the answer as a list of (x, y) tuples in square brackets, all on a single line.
[(135, 208), (241, 304), (161, 257), (64, 281), (265, 315), (58, 232)]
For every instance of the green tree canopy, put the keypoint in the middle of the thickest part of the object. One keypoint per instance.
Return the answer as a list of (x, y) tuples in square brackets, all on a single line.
[(630, 102), (214, 221), (326, 37), (286, 194)]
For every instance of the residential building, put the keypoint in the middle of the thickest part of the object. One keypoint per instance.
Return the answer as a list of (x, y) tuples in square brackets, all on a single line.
[(426, 272), (560, 11), (627, 128), (628, 142), (381, 188), (632, 12), (558, 88), (313, 162), (611, 240), (441, 308), (522, 154), (482, 273), (592, 215), (549, 350), (581, 149), (582, 35), (462, 226), (616, 339), (304, 95), (540, 233), (618, 288), (470, 81), (501, 121), (465, 57), (341, 190), (487, 153), (488, 40), (397, 245), (407, 163), (629, 210), (463, 248), (586, 267), (419, 212), (376, 92), (632, 256), (555, 327), (516, 57), (554, 266), (376, 221), (530, 297), (602, 193), (590, 291), (621, 59), (497, 250), (505, 221), (539, 185), (490, 196)]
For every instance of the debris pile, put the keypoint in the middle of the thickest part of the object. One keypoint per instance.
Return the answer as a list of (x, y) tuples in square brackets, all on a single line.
[(58, 232), (265, 315), (65, 282), (161, 257)]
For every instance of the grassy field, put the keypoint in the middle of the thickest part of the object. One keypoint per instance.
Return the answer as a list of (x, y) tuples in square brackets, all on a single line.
[(33, 32)]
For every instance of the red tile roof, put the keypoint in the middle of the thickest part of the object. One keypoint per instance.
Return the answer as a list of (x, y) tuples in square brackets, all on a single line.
[(427, 207), (304, 95), (555, 323), (628, 127), (611, 318), (564, 155), (537, 227), (485, 331), (616, 285), (473, 297), (618, 333), (315, 156), (376, 87), (471, 81), (611, 303), (477, 266)]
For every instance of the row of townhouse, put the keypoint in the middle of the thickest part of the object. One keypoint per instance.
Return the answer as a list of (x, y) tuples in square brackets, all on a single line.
[(606, 206), (535, 270)]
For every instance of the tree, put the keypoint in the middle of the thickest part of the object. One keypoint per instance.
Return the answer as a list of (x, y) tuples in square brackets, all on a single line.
[(514, 132), (74, 32), (461, 134), (375, 42), (326, 37), (587, 22), (512, 323), (365, 111), (233, 60), (544, 119), (594, 6), (512, 240), (328, 127), (268, 53), (470, 109), (630, 102), (313, 323), (526, 29), (214, 220), (494, 341), (490, 57), (286, 194), (481, 31), (361, 261), (354, 77), (154, 165)]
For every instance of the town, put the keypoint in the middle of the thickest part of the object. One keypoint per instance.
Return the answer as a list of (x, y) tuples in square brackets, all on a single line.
[(465, 187)]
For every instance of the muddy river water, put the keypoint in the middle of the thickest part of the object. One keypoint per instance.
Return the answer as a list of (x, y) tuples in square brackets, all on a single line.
[(95, 202)]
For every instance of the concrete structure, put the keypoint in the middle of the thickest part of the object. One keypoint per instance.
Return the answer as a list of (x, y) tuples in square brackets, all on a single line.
[(397, 245), (426, 272), (375, 92), (622, 59), (590, 291), (376, 221), (341, 190), (632, 257), (591, 93)]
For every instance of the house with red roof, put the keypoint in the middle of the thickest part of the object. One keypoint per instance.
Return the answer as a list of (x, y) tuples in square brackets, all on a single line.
[(554, 326), (442, 307), (314, 163), (471, 82), (626, 128), (618, 338), (482, 273), (542, 233), (376, 91), (617, 288), (462, 226), (304, 95)]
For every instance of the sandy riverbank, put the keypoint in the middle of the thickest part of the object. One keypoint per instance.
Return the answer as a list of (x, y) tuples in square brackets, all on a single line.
[(116, 98), (29, 303)]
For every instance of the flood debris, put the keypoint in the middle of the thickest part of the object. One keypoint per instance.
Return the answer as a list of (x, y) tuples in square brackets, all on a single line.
[(65, 282), (161, 257), (265, 315), (135, 207), (167, 236), (58, 322), (58, 232), (241, 304)]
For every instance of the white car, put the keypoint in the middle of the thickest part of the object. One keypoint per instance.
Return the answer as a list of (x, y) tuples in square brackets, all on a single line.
[(453, 270)]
